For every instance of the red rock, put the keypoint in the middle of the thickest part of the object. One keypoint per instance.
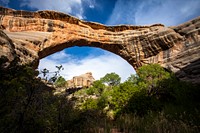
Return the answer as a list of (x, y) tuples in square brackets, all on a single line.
[(36, 35)]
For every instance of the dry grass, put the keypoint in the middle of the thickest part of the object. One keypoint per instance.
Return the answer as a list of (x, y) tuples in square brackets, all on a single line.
[(151, 123)]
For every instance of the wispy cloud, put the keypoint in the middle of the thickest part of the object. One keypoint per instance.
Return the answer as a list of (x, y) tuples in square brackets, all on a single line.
[(73, 7), (143, 12), (59, 57), (98, 65), (123, 13), (168, 12)]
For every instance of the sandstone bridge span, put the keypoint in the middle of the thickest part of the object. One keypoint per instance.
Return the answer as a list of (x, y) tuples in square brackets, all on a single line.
[(35, 35)]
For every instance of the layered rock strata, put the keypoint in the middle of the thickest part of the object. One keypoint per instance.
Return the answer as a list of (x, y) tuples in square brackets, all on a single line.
[(35, 35)]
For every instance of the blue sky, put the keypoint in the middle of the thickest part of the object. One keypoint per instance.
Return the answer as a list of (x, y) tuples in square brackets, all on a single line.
[(78, 60)]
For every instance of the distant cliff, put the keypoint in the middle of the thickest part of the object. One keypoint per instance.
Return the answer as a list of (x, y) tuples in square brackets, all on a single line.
[(84, 80)]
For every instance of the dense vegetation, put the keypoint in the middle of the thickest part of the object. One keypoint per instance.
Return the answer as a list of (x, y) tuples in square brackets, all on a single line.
[(151, 101)]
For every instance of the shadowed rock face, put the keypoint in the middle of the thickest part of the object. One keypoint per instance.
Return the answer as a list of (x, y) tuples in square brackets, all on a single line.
[(35, 35)]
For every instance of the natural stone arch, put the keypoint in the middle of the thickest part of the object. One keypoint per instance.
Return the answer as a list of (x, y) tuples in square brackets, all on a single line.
[(38, 34)]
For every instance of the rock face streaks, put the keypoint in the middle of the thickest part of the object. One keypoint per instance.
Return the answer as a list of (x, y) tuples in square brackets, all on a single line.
[(35, 35)]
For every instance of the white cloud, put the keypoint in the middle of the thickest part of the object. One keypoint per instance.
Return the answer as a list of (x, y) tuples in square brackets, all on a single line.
[(59, 56), (143, 12), (90, 3), (123, 13), (91, 6), (168, 12), (74, 7), (98, 65)]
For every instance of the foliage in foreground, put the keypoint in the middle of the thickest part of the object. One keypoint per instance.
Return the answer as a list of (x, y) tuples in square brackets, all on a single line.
[(152, 95), (153, 101), (28, 105)]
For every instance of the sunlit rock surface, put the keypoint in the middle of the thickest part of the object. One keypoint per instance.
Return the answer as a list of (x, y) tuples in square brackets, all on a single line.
[(84, 80), (35, 35)]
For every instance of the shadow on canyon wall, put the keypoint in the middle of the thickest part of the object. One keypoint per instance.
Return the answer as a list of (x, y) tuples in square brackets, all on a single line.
[(190, 73)]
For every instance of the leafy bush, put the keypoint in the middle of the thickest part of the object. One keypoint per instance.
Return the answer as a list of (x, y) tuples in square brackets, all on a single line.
[(90, 104), (121, 95), (60, 82)]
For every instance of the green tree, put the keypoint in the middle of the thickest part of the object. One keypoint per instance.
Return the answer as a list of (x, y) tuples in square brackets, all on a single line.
[(150, 77), (99, 86), (112, 79), (150, 89), (133, 78), (21, 100), (121, 95), (90, 91), (90, 104), (96, 88), (60, 82)]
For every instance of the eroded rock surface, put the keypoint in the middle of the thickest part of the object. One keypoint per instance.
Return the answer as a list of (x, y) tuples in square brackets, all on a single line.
[(7, 50), (36, 35), (84, 80)]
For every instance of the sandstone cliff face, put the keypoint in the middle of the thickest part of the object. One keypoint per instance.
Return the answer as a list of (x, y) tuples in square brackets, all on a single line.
[(36, 35), (7, 50), (84, 80)]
